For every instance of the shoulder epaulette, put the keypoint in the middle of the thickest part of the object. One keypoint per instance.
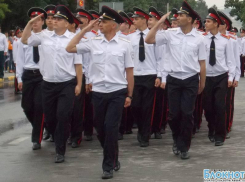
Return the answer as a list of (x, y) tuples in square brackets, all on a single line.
[(131, 32), (124, 33), (84, 37), (232, 37), (97, 38), (200, 30), (124, 39), (232, 33), (205, 34), (225, 36), (94, 32)]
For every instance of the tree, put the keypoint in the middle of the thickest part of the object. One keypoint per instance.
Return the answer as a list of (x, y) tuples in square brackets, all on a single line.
[(201, 8), (237, 9), (3, 9), (215, 7)]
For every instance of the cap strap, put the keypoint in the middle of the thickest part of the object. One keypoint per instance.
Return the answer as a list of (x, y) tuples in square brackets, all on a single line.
[(215, 17), (84, 14), (141, 14), (156, 15)]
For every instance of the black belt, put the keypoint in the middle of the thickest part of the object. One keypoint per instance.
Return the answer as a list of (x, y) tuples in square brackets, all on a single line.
[(32, 71)]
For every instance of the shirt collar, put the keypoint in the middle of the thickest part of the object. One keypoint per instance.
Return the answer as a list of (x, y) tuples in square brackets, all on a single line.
[(192, 32), (211, 35), (115, 38), (66, 34), (145, 31)]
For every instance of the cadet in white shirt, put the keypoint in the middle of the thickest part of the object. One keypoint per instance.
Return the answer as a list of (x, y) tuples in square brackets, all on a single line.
[(49, 22), (30, 80), (111, 59), (231, 90), (220, 74), (18, 34), (3, 52), (186, 59), (62, 75), (145, 75)]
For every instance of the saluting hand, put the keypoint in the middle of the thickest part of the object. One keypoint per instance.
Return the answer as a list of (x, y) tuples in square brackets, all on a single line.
[(33, 20), (90, 25), (162, 20), (127, 102), (77, 90)]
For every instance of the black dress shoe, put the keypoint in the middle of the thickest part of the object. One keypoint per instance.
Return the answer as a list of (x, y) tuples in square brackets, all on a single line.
[(69, 142), (117, 167), (74, 145), (120, 136), (211, 138), (88, 138), (144, 144), (219, 143), (51, 139), (185, 155), (175, 149), (129, 132), (228, 135), (46, 135), (36, 146), (107, 174), (59, 158), (158, 135), (162, 131), (138, 137)]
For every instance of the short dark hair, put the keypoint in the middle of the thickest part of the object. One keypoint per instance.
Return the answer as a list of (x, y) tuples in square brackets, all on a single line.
[(192, 19)]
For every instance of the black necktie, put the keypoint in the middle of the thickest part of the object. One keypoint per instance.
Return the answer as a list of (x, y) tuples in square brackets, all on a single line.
[(141, 48), (35, 55), (212, 58)]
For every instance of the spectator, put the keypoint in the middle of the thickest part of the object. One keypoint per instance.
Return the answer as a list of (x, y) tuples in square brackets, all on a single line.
[(10, 50), (3, 52)]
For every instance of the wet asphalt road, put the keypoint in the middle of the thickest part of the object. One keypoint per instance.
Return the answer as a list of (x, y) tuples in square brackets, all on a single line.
[(153, 164)]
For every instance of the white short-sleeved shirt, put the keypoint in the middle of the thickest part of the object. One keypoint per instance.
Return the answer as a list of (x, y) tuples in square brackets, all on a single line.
[(149, 65), (184, 52), (15, 48), (108, 62), (225, 60), (56, 64)]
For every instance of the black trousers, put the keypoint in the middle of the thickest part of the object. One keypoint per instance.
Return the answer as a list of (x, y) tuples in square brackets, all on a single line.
[(142, 104), (214, 103), (88, 115), (58, 99), (2, 61), (198, 112), (229, 108), (242, 59), (127, 121), (161, 110), (32, 102), (182, 96), (77, 116), (108, 108)]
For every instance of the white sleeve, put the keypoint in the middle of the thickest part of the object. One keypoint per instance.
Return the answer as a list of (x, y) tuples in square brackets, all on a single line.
[(161, 38), (15, 49), (230, 60), (35, 39), (6, 45), (20, 62), (237, 59)]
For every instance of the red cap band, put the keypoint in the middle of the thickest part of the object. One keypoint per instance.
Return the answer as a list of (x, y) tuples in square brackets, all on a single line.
[(50, 12), (35, 13), (176, 15), (226, 22), (156, 15), (142, 14), (215, 17), (84, 14), (95, 16)]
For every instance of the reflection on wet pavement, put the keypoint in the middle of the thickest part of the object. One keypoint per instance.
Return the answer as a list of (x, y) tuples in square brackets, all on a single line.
[(7, 94), (12, 125)]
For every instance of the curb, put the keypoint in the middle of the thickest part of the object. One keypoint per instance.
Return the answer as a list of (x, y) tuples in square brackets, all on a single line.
[(10, 78)]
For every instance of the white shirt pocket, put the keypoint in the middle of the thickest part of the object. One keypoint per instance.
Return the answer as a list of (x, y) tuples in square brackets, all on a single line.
[(97, 57), (117, 58)]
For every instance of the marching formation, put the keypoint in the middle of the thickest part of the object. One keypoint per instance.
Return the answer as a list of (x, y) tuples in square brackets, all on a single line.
[(113, 71)]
